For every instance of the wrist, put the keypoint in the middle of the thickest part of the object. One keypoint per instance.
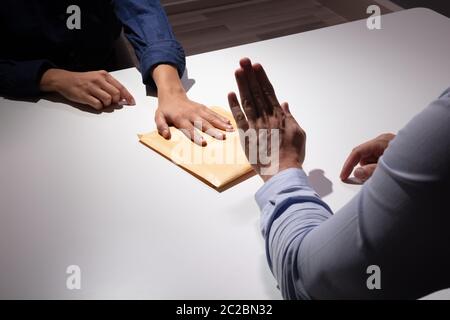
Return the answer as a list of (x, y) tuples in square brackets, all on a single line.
[(171, 91), (292, 164), (167, 80), (51, 80)]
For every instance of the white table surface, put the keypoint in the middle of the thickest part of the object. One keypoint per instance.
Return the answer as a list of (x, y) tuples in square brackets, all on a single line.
[(78, 188)]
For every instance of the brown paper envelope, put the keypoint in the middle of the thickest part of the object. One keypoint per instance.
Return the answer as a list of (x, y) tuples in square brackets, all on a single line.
[(221, 164)]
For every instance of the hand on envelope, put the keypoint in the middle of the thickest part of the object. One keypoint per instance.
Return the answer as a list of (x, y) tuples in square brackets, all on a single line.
[(223, 162), (220, 163)]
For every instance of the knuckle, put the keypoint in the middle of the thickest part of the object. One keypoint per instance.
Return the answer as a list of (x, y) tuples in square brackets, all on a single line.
[(273, 122), (97, 80), (257, 95), (190, 131), (268, 91), (240, 117), (85, 86), (246, 103)]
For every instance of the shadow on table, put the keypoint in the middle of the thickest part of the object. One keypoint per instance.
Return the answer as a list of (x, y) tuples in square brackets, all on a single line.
[(55, 97), (321, 184), (25, 99), (85, 108)]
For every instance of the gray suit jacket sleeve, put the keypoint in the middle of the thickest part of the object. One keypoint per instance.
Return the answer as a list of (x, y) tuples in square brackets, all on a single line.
[(399, 222)]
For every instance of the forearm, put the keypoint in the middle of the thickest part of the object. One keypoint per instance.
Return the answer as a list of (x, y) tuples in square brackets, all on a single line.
[(147, 28), (398, 218)]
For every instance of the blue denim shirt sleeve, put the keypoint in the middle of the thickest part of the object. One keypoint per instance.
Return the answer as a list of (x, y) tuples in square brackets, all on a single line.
[(147, 28)]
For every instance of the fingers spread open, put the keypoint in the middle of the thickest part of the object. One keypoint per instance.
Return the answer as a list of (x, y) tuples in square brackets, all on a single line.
[(189, 131), (124, 94), (236, 110), (221, 118), (208, 128), (217, 120), (161, 124)]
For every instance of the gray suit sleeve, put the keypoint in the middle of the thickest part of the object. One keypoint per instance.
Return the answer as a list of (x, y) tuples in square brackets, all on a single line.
[(399, 222)]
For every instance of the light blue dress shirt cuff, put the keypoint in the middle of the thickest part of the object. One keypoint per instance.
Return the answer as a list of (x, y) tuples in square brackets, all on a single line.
[(279, 182), (282, 190)]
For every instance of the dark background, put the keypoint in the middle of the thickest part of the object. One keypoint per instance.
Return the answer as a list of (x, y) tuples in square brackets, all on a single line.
[(207, 25), (441, 6)]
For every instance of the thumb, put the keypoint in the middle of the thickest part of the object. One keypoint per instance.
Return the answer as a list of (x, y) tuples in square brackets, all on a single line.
[(161, 125), (285, 108), (365, 172)]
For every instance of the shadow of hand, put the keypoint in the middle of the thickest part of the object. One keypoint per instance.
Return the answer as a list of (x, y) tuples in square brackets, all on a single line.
[(85, 108), (321, 184)]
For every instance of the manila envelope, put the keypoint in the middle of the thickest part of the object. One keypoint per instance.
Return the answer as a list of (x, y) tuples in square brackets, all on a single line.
[(221, 163)]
